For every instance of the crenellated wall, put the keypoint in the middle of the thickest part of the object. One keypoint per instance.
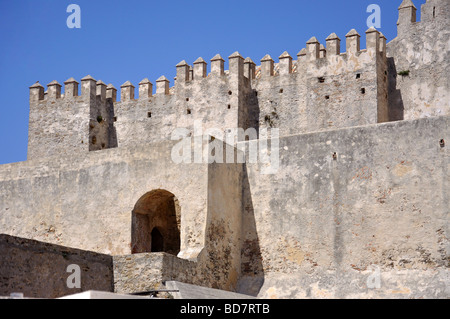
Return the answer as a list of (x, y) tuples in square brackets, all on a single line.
[(66, 124), (215, 101), (351, 192), (323, 89)]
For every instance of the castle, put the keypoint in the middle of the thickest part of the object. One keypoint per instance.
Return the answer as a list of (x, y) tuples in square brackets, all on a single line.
[(361, 188)]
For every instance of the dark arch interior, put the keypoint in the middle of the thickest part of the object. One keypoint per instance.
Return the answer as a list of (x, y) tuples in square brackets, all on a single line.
[(157, 241), (156, 223)]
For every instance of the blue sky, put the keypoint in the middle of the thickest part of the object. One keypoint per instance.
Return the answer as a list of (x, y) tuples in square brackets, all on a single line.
[(130, 40)]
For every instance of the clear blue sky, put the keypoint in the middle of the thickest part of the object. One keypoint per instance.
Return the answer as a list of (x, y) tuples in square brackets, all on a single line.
[(129, 40)]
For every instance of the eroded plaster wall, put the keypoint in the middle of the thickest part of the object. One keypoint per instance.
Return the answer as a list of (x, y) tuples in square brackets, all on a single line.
[(345, 201)]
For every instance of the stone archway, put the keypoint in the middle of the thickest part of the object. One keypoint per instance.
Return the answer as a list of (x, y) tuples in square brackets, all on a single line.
[(156, 223)]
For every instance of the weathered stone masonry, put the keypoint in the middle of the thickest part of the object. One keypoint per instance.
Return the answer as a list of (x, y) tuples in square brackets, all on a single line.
[(362, 183), (314, 93)]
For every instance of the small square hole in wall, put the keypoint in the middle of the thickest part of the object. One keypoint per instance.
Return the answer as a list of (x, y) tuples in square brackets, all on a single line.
[(281, 90), (321, 79), (149, 114), (187, 99), (229, 106), (327, 97), (115, 118), (230, 93), (358, 76), (363, 91), (188, 112)]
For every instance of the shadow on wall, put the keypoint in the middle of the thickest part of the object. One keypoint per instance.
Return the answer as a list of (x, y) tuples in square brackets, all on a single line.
[(251, 119), (252, 270), (113, 142), (395, 100)]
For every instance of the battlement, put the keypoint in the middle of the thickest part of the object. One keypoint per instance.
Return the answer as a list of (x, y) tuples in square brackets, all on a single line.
[(323, 88), (221, 99), (329, 59), (433, 11), (214, 99), (348, 195), (314, 51), (89, 89), (66, 123)]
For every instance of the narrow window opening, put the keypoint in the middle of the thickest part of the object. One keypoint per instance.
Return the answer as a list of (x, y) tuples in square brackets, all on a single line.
[(187, 99), (281, 90), (321, 80), (363, 91), (149, 114), (327, 97), (115, 118), (358, 76), (189, 111), (230, 93), (434, 12), (229, 106)]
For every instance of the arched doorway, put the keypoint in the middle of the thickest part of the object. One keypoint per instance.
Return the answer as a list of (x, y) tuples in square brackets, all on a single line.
[(156, 222)]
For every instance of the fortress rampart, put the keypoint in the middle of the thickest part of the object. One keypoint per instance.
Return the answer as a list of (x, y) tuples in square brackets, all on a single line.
[(362, 179), (323, 89)]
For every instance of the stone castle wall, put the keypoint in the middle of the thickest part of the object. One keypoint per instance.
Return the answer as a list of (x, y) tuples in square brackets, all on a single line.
[(39, 270), (323, 89), (382, 201), (351, 192), (88, 204), (421, 52)]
